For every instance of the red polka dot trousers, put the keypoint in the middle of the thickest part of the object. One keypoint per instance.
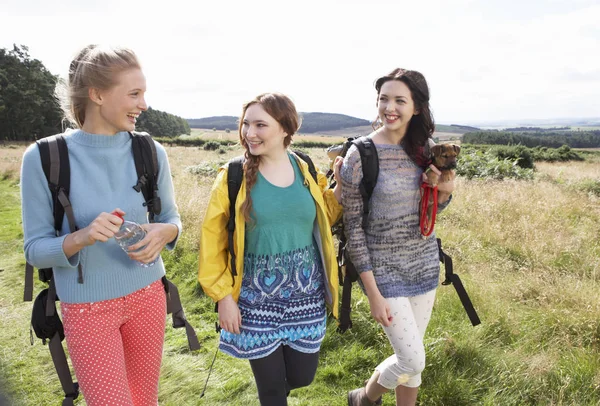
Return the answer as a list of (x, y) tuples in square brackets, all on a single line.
[(116, 346)]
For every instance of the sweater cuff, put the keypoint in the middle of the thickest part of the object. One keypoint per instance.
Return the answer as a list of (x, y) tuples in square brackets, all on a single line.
[(364, 267), (442, 206), (171, 246), (55, 254)]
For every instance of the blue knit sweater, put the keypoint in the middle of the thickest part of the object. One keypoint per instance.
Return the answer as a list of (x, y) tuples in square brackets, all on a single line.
[(403, 263), (102, 176)]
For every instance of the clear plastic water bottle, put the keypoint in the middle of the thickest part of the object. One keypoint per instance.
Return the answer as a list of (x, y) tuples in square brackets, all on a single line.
[(129, 234)]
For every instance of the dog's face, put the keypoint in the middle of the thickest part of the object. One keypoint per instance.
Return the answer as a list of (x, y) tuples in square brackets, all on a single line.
[(444, 155)]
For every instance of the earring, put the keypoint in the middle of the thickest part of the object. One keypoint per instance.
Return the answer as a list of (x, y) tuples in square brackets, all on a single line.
[(377, 123)]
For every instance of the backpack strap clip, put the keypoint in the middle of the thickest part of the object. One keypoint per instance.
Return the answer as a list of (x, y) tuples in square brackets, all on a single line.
[(141, 182)]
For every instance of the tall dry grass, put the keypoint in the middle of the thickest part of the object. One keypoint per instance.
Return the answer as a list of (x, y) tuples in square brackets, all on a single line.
[(528, 253)]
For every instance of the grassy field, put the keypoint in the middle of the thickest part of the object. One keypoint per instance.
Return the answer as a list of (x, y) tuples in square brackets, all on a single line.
[(528, 253), (327, 136)]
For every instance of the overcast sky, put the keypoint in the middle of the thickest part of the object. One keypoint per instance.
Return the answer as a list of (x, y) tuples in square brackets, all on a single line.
[(485, 60)]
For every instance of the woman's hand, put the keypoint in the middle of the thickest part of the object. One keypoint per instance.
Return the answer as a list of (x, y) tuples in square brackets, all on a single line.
[(444, 182), (230, 318), (445, 189), (337, 190), (380, 309), (157, 236), (101, 229)]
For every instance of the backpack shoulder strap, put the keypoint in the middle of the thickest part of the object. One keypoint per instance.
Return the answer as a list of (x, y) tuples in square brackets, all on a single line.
[(311, 165), (146, 167), (55, 162), (235, 174), (370, 167), (54, 155)]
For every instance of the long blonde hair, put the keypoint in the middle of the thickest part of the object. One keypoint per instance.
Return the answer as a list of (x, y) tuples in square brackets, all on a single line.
[(93, 67)]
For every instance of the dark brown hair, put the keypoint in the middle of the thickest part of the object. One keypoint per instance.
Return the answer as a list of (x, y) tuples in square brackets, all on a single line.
[(283, 110), (421, 126)]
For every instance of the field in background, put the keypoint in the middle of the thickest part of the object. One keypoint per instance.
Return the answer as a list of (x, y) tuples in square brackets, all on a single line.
[(327, 136), (528, 253)]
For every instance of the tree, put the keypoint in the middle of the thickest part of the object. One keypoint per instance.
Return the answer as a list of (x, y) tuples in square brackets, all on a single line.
[(28, 109), (160, 123)]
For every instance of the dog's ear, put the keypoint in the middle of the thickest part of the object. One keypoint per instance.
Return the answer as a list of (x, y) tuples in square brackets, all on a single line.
[(436, 150), (456, 148)]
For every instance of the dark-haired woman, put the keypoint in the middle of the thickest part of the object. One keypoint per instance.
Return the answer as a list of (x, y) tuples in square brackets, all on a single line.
[(273, 312), (398, 268)]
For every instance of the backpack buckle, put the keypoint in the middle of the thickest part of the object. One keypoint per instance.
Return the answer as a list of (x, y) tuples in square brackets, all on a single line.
[(154, 204), (45, 274), (141, 182)]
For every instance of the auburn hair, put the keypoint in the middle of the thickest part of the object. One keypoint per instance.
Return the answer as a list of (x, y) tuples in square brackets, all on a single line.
[(283, 110)]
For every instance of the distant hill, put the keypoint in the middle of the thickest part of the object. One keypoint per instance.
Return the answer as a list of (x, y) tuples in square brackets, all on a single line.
[(311, 122), (322, 123), (318, 122), (218, 122)]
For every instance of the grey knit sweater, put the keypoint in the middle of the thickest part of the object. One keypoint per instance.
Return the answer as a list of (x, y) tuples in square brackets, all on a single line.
[(404, 264)]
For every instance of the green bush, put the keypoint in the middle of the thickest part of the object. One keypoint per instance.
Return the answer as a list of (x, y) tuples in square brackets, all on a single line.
[(562, 154), (477, 164), (205, 169), (211, 146), (521, 154), (312, 144), (589, 186), (527, 156), (191, 142)]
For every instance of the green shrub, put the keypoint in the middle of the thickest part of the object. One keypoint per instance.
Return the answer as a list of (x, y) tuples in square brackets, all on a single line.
[(527, 156), (313, 144), (191, 142), (520, 154), (205, 168), (562, 154), (477, 164), (212, 146), (589, 186)]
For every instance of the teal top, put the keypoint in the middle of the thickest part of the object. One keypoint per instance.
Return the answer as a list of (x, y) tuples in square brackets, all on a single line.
[(282, 299), (273, 206)]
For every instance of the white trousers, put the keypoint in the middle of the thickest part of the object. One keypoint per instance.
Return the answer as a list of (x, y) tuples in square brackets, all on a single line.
[(411, 316)]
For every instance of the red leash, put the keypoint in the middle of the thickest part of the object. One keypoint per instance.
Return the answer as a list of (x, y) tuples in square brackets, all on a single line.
[(427, 224)]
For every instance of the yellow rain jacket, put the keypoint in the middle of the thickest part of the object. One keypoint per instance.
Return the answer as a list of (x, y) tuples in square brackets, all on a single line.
[(214, 268)]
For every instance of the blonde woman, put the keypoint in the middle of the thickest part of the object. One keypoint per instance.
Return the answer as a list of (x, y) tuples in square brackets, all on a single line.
[(114, 312)]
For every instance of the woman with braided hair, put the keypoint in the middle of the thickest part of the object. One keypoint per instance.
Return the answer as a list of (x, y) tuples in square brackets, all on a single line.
[(273, 312)]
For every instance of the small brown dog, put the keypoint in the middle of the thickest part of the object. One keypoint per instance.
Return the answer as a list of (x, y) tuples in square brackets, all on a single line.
[(441, 170), (443, 158)]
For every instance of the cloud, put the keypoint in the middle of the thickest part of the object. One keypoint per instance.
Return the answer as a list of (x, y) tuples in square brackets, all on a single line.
[(482, 59)]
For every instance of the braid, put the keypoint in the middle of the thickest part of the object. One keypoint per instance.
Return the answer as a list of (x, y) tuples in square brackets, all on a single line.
[(282, 110), (251, 173)]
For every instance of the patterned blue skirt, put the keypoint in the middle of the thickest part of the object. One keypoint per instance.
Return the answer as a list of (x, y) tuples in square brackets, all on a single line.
[(282, 302)]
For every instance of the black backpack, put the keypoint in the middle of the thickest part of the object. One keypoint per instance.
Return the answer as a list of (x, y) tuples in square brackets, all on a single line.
[(346, 270), (45, 321)]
